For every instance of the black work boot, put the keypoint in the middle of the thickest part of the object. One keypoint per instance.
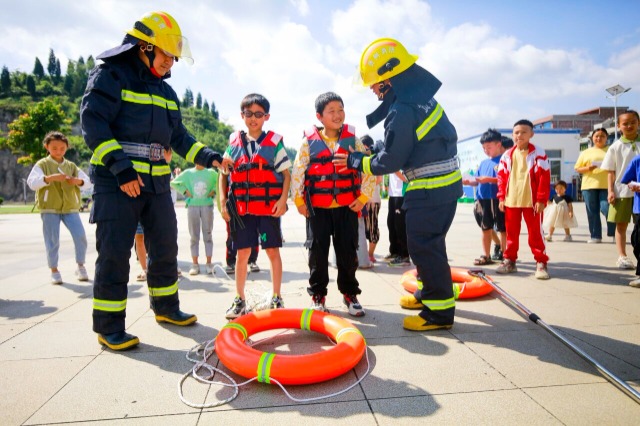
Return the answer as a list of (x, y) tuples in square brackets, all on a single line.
[(118, 341), (177, 318)]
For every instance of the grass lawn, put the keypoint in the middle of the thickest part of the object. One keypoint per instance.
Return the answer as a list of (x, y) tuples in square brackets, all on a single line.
[(17, 208)]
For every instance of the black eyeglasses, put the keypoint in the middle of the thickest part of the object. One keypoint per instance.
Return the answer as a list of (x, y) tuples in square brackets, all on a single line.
[(250, 114)]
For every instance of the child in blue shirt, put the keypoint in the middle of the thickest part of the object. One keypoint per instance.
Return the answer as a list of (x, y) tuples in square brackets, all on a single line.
[(486, 210)]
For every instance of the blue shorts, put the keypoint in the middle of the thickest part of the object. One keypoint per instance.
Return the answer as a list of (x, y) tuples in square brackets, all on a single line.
[(139, 230), (258, 229)]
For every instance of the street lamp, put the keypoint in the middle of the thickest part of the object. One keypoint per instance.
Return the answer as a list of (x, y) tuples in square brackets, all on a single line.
[(616, 91)]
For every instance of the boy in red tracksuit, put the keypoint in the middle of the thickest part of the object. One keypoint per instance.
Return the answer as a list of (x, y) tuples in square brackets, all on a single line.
[(523, 190)]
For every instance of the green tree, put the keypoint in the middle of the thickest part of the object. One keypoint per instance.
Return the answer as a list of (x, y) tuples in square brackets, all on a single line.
[(57, 72), (199, 101), (31, 86), (51, 66), (28, 130), (205, 105), (5, 81), (38, 69), (187, 100), (79, 79), (214, 112), (91, 63)]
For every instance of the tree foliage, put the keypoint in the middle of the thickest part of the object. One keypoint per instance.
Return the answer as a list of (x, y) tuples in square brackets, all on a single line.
[(5, 81), (38, 69), (51, 100), (28, 130), (51, 66)]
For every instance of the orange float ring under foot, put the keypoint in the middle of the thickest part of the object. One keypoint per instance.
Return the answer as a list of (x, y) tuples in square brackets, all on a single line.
[(470, 287), (242, 359)]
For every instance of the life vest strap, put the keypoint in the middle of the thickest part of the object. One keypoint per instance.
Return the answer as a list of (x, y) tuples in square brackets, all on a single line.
[(252, 166)]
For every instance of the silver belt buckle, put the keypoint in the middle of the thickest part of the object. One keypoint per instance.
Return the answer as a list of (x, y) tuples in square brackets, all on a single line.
[(156, 152)]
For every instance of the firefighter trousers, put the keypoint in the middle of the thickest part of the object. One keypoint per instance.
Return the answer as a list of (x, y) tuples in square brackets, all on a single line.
[(427, 229), (116, 216)]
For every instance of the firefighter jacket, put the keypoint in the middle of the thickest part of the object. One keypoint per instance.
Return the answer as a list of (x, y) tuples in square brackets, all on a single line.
[(255, 184), (417, 134), (539, 174), (128, 117), (323, 182)]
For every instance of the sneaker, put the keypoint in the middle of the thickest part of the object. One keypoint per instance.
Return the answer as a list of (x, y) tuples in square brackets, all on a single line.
[(497, 252), (277, 302), (507, 267), (400, 262), (355, 308), (317, 303), (389, 257), (568, 238), (56, 278), (230, 269), (624, 262), (594, 241), (635, 283), (208, 268), (417, 323), (548, 238), (372, 259), (253, 267), (179, 272), (81, 273), (142, 276), (541, 271), (238, 308), (195, 269)]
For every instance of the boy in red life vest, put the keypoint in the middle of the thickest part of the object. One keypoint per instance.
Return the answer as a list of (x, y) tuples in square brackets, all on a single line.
[(256, 196), (331, 202)]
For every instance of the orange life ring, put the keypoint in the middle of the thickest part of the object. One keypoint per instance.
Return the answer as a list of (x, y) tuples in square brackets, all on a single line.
[(242, 359), (469, 286)]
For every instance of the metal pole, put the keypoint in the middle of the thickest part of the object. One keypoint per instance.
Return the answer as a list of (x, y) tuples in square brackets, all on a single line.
[(620, 384), (615, 115)]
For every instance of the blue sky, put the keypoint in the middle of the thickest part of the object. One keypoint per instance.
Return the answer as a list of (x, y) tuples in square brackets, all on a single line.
[(499, 61)]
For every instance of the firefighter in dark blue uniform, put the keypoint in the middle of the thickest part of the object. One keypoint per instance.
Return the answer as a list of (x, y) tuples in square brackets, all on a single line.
[(129, 116), (420, 141)]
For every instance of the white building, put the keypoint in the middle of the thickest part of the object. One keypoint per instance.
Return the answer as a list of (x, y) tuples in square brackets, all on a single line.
[(561, 145)]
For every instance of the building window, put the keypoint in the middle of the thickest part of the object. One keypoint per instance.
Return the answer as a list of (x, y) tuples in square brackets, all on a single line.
[(555, 163)]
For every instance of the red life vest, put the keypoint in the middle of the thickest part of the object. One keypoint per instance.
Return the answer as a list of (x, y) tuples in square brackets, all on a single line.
[(322, 182), (255, 184)]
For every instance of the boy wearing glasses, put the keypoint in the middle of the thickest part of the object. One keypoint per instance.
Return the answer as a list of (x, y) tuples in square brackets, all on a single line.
[(254, 196), (331, 198)]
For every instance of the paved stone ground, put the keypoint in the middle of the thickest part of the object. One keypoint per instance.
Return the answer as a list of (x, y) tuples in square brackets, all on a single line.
[(493, 367)]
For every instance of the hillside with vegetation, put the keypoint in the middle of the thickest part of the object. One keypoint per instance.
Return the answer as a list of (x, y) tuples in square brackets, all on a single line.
[(45, 100)]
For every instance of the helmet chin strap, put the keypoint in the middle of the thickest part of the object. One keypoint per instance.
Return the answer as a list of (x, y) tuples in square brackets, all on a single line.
[(150, 54), (383, 88)]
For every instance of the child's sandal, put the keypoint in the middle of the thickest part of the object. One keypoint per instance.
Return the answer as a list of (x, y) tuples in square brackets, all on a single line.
[(483, 260)]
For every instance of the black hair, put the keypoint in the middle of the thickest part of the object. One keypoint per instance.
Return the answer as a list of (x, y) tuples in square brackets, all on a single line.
[(601, 129), (524, 122), (367, 141), (561, 183), (629, 111), (257, 99), (54, 136), (491, 135), (507, 142), (324, 99)]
